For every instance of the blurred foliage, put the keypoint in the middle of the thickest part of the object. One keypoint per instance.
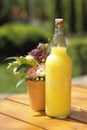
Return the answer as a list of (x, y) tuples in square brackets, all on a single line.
[(18, 39), (74, 12), (8, 81), (77, 49), (5, 9), (13, 10)]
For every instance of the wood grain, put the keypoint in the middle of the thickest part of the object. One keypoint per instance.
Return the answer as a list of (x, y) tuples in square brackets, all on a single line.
[(79, 96), (9, 123), (20, 98), (23, 113), (16, 109)]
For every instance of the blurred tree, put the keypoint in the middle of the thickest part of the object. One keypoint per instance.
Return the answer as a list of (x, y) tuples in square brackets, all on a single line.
[(5, 9), (72, 17), (66, 13), (58, 9), (39, 9), (13, 10), (85, 15), (50, 10), (19, 11), (79, 15), (74, 13)]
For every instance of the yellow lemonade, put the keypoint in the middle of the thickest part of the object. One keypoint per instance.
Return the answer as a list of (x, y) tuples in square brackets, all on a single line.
[(58, 83)]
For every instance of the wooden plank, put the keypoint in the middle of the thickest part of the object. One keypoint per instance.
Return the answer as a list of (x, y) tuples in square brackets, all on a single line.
[(77, 99), (83, 86), (80, 88), (79, 92), (79, 114), (79, 109), (79, 102), (23, 113), (9, 123), (79, 96), (21, 98)]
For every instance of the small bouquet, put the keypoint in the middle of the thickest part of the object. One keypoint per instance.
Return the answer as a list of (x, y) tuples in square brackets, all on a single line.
[(31, 66)]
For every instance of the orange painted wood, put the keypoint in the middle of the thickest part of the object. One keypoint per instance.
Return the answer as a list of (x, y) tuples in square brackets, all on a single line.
[(9, 123), (23, 113)]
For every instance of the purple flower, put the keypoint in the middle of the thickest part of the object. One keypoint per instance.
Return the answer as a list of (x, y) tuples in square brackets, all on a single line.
[(40, 53)]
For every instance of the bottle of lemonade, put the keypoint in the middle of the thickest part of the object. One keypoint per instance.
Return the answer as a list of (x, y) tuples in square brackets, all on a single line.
[(58, 76)]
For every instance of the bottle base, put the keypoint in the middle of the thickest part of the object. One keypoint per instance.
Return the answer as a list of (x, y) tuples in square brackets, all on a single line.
[(61, 117)]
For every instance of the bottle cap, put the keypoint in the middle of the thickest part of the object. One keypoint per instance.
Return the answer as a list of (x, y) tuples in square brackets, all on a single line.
[(58, 21)]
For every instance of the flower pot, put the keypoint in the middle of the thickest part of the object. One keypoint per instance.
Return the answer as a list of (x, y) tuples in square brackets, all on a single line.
[(36, 94)]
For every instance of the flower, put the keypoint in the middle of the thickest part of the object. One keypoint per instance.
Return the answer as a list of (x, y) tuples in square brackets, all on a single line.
[(40, 72), (32, 73), (31, 66), (40, 53)]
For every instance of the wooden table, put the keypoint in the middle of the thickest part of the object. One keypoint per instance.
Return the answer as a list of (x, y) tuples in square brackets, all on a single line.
[(15, 113)]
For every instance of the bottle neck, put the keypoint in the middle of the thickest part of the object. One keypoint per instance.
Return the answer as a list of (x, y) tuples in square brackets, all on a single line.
[(58, 39), (60, 29)]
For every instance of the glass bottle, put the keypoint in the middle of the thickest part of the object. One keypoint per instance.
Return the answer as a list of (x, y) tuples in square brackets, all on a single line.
[(58, 75)]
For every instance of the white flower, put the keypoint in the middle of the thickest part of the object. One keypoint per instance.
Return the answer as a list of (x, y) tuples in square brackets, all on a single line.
[(29, 57), (40, 72)]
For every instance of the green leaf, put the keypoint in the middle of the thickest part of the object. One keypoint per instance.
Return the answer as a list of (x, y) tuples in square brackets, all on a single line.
[(12, 58), (23, 68), (20, 82)]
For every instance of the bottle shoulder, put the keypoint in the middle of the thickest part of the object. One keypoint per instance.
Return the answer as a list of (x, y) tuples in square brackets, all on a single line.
[(55, 58)]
